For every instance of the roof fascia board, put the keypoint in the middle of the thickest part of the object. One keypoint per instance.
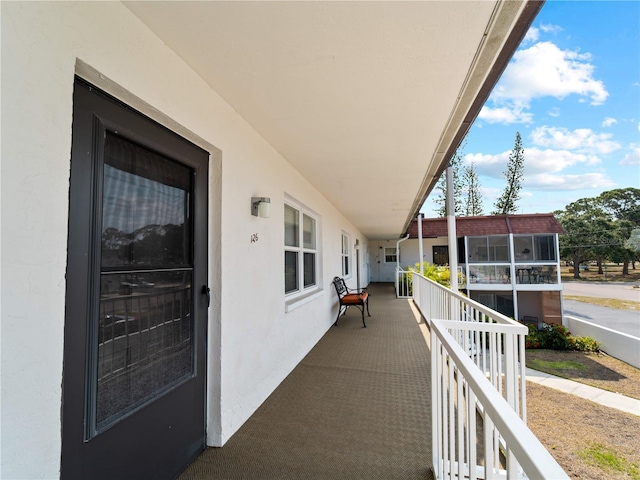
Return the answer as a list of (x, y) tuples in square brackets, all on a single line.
[(498, 54)]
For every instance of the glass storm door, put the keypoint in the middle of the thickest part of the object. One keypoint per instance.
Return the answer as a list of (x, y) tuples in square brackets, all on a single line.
[(134, 371)]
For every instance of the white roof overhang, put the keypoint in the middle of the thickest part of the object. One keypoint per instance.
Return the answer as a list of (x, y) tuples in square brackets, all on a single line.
[(367, 100)]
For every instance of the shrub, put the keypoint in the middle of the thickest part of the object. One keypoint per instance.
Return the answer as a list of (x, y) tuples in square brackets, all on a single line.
[(558, 337), (585, 344), (438, 273)]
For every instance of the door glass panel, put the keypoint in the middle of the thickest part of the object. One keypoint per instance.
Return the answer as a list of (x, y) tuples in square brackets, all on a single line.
[(145, 329), (440, 255)]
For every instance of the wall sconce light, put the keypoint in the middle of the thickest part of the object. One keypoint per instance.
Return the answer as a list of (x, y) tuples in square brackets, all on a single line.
[(260, 206)]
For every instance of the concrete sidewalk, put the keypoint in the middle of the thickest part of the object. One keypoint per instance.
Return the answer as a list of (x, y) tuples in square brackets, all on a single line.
[(597, 395)]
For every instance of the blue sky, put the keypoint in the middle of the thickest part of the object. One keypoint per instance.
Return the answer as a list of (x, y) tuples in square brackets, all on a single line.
[(572, 90)]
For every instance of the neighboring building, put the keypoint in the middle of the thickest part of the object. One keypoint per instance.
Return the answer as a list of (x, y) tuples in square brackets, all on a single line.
[(511, 262), (145, 311)]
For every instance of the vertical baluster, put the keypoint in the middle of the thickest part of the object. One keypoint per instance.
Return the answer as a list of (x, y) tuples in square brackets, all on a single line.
[(496, 449), (436, 414), (510, 378), (487, 426), (445, 416), (499, 344), (452, 415), (523, 381), (472, 458), (460, 430)]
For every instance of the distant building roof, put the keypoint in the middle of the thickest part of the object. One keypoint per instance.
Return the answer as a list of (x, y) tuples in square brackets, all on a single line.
[(489, 225)]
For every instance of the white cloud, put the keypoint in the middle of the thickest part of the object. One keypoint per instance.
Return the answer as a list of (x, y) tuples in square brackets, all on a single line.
[(548, 28), (536, 162), (532, 35), (488, 165), (550, 182), (582, 140), (544, 70), (631, 158), (553, 161), (505, 115), (554, 112), (607, 122)]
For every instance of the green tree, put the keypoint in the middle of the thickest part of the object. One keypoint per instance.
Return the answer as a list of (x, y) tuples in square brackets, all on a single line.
[(633, 242), (471, 186), (586, 225), (622, 204), (599, 228), (441, 187), (507, 202)]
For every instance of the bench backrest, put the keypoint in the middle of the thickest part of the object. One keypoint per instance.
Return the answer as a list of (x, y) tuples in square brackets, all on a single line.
[(341, 287)]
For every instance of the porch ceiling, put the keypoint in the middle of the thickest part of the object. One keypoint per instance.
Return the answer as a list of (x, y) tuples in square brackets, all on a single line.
[(366, 99)]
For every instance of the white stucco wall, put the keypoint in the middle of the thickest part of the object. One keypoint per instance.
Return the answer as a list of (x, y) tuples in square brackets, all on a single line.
[(409, 256), (258, 341), (617, 344), (411, 250)]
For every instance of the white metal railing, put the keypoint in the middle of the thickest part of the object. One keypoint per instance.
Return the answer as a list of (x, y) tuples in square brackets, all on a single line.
[(498, 351), (403, 283), (475, 433), (477, 371)]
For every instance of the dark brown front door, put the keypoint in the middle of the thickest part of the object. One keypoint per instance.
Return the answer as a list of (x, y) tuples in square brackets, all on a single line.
[(136, 302)]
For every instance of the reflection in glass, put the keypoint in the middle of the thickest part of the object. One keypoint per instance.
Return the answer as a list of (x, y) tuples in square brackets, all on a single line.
[(523, 248), (478, 249), (545, 248), (309, 232), (290, 272), (145, 334), (489, 274), (291, 219), (494, 248), (309, 269), (536, 274), (145, 207), (498, 248)]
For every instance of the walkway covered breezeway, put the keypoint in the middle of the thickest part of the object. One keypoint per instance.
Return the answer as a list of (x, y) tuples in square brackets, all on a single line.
[(357, 406)]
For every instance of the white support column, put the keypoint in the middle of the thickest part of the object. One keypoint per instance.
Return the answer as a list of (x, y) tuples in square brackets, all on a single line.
[(512, 267), (420, 250), (451, 231)]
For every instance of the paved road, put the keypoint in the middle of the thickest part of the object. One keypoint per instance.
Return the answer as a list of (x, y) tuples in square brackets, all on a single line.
[(619, 290), (627, 321)]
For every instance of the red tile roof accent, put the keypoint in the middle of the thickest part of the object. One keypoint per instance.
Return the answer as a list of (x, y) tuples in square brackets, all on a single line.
[(489, 225)]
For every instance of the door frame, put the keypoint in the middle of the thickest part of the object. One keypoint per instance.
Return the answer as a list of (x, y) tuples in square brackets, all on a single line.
[(81, 252)]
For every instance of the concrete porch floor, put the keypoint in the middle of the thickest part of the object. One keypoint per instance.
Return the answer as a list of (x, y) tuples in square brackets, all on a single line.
[(356, 407)]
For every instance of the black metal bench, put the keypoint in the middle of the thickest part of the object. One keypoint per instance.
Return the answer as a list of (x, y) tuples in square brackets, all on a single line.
[(350, 297)]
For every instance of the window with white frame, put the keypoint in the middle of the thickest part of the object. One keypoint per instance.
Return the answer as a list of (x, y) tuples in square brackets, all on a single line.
[(534, 248), (300, 250), (346, 255), (493, 248), (390, 254)]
